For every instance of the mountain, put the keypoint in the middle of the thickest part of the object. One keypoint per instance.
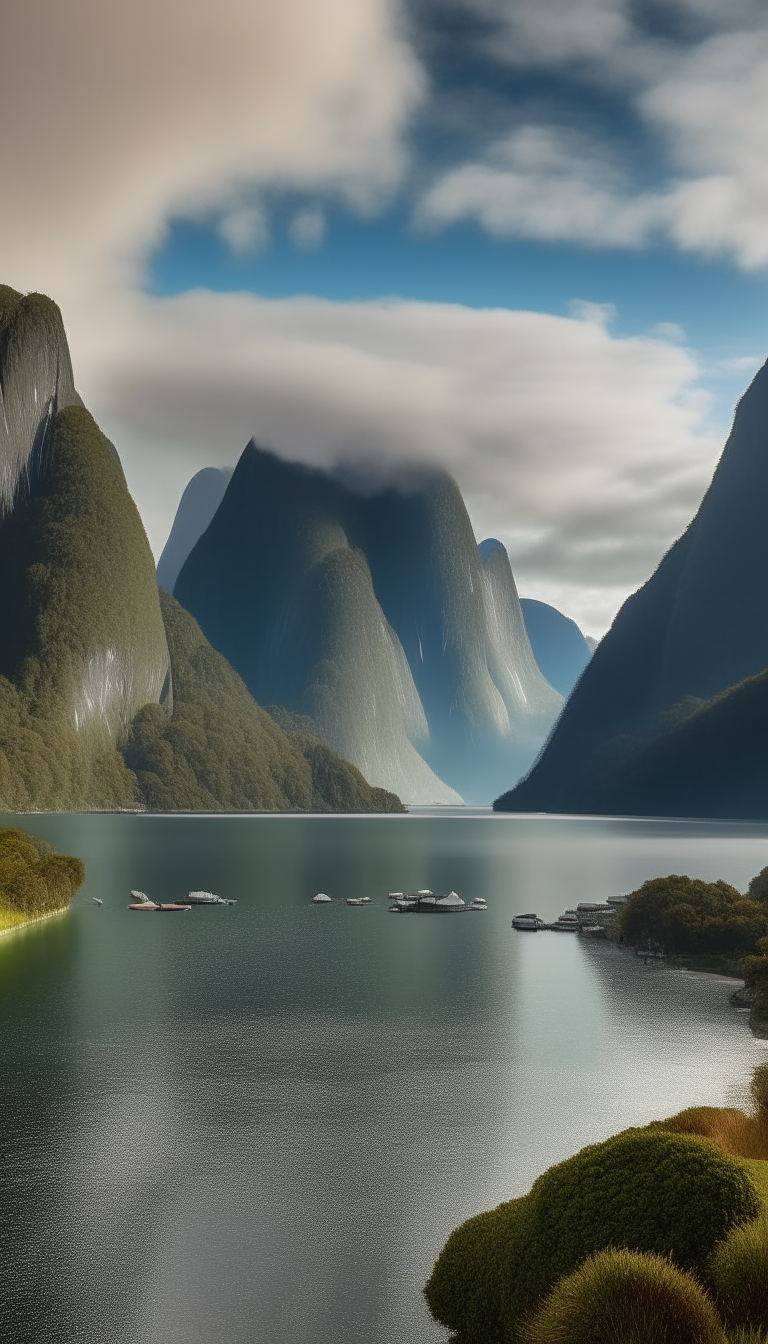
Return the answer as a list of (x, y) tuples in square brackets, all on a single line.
[(90, 716), (221, 752), (373, 615), (197, 506), (559, 647), (83, 644), (697, 628)]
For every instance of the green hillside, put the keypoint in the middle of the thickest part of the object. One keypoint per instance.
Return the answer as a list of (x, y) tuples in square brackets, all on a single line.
[(221, 752)]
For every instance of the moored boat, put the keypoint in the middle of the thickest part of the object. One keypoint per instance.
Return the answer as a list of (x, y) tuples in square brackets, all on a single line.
[(322, 898), (208, 898), (529, 923)]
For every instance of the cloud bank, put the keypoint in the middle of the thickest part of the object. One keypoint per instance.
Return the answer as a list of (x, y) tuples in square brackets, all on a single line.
[(585, 453)]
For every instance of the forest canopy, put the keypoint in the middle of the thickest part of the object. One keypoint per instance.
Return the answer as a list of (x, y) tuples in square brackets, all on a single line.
[(34, 880), (687, 916)]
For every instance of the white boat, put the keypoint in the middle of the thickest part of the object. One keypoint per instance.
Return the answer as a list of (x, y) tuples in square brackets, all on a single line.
[(529, 922), (321, 899), (358, 900), (568, 922), (141, 898), (452, 903), (478, 904), (207, 898)]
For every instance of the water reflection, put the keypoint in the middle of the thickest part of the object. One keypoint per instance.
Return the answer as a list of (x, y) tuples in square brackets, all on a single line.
[(260, 1122)]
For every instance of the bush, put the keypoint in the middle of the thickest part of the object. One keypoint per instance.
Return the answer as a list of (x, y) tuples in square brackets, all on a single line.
[(689, 917), (739, 1275), (729, 1129), (643, 1190), (465, 1288), (619, 1297), (758, 887)]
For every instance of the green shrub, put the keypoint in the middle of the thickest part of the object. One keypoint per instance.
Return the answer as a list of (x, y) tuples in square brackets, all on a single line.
[(758, 887), (620, 1297), (643, 1190), (464, 1291), (738, 1272)]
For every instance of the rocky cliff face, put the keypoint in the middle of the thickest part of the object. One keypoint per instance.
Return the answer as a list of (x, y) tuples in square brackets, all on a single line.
[(375, 616), (695, 629), (82, 642), (35, 384)]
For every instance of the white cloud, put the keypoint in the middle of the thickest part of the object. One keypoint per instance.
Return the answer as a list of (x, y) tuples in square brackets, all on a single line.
[(704, 103), (554, 32), (307, 228), (544, 182), (115, 116), (246, 229), (585, 453)]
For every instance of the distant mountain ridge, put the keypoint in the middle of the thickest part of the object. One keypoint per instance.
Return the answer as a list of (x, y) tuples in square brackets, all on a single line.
[(560, 649), (697, 628), (375, 615)]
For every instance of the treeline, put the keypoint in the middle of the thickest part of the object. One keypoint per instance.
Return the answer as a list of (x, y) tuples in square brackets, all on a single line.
[(34, 879), (688, 917)]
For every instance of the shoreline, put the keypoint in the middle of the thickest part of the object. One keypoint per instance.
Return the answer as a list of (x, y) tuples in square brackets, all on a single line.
[(36, 919)]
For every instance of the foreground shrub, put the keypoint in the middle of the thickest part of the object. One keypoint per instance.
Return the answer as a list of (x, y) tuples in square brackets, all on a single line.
[(731, 1130), (619, 1297), (644, 1190), (739, 1275)]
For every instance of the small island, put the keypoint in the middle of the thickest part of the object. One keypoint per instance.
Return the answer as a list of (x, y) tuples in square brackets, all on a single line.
[(35, 881)]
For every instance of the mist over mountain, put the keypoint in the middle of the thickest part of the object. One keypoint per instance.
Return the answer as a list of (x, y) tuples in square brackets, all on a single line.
[(697, 628), (197, 506), (375, 616), (88, 714), (560, 649)]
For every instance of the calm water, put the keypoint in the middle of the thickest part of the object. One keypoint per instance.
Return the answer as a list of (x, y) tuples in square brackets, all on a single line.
[(257, 1124)]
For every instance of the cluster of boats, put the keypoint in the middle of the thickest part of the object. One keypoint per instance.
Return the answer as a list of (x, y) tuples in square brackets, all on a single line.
[(586, 917), (142, 902), (424, 902)]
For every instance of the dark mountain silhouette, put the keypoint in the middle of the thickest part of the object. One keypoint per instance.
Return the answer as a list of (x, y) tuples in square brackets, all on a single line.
[(697, 628), (374, 616), (559, 647)]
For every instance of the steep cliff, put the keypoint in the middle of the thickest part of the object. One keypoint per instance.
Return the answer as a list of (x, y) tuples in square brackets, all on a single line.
[(696, 628)]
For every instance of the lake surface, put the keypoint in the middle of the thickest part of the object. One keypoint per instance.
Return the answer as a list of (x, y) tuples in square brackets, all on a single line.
[(258, 1124)]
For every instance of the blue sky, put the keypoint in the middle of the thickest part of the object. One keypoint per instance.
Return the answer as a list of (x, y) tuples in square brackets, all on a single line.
[(526, 240)]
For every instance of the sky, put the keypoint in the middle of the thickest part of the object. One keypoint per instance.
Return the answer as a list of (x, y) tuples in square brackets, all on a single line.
[(524, 240)]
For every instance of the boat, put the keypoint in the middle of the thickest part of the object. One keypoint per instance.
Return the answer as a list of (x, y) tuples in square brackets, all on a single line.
[(164, 907), (452, 903), (208, 898), (321, 899), (478, 903), (96, 900), (528, 923), (358, 900), (141, 897), (568, 922)]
